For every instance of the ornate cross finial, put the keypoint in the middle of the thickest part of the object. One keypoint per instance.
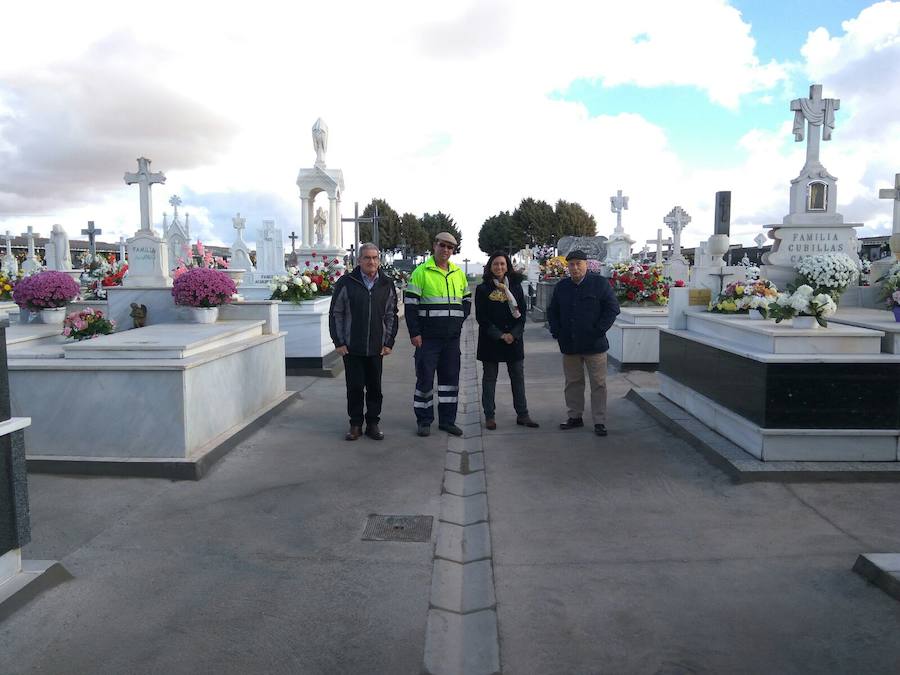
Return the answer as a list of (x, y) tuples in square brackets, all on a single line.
[(677, 220), (238, 223), (617, 204), (145, 179), (817, 112), (895, 195)]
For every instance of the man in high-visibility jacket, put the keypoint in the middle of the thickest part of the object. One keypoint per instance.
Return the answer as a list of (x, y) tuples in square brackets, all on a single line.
[(437, 301)]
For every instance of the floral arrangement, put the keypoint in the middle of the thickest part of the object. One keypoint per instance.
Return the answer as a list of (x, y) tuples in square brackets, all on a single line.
[(203, 287), (890, 286), (400, 278), (6, 286), (742, 296), (543, 253), (323, 272), (102, 272), (295, 286), (634, 283), (87, 324), (865, 267), (45, 290), (554, 268), (803, 302), (197, 257), (593, 266), (829, 273), (752, 272)]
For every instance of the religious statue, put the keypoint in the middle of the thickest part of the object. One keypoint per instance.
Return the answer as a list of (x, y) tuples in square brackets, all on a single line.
[(320, 140), (62, 257), (320, 221), (138, 315)]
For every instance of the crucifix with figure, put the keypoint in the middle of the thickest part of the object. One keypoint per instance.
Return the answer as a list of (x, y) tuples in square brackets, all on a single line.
[(617, 204), (816, 112), (145, 179), (91, 232), (677, 219)]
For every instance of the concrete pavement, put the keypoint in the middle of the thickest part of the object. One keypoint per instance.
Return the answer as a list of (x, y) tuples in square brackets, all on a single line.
[(620, 554)]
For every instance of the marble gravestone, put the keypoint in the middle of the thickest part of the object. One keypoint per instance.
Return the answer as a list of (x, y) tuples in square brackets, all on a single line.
[(176, 233), (240, 253), (10, 264), (148, 254), (31, 263), (677, 266), (269, 252), (813, 226), (594, 247), (618, 247)]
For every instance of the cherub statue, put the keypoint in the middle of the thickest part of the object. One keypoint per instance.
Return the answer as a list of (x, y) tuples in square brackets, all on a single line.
[(320, 221), (138, 315)]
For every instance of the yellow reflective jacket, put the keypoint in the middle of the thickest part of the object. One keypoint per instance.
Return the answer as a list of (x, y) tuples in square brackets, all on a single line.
[(437, 302)]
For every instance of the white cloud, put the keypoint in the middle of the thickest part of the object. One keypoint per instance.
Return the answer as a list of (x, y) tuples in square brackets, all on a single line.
[(433, 106)]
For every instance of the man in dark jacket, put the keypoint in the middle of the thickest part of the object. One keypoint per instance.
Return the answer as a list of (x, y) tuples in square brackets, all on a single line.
[(363, 324), (583, 308)]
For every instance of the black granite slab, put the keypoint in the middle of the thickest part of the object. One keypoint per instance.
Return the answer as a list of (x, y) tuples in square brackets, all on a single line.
[(5, 411), (15, 528), (787, 395)]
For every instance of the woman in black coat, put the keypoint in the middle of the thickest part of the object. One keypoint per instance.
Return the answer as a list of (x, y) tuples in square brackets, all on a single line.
[(500, 312)]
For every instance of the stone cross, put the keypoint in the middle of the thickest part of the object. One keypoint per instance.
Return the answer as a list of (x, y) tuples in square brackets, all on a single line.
[(895, 195), (760, 239), (122, 249), (238, 223), (8, 243), (660, 242), (817, 112), (617, 204), (145, 179), (92, 233), (293, 239), (677, 220)]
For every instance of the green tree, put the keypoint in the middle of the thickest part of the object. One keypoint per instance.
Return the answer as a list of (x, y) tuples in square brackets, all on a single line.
[(440, 222), (537, 222), (388, 225), (413, 235), (574, 220), (500, 233)]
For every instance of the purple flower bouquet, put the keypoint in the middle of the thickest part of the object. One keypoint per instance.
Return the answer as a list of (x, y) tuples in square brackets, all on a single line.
[(45, 290), (202, 287)]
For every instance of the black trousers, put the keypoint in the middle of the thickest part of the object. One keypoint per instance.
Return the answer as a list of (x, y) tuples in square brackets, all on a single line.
[(441, 355), (363, 377)]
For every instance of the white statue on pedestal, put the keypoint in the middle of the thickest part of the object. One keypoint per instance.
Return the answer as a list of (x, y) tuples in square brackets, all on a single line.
[(62, 257), (320, 221), (320, 141)]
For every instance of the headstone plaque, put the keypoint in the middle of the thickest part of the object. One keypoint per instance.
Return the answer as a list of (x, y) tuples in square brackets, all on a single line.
[(723, 212), (594, 247)]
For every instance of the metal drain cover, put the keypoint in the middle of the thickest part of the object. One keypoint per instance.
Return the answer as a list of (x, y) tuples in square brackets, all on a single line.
[(398, 528)]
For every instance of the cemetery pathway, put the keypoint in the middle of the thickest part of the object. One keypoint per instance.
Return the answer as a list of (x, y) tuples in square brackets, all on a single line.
[(623, 554)]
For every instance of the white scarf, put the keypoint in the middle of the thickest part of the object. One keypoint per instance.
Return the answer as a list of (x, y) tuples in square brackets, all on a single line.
[(510, 298)]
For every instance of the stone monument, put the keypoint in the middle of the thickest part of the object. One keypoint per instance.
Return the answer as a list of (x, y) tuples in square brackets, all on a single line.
[(176, 233), (315, 235), (813, 226), (31, 263), (10, 265), (148, 254), (594, 247), (660, 242), (269, 253), (57, 255), (677, 266), (240, 253), (618, 246)]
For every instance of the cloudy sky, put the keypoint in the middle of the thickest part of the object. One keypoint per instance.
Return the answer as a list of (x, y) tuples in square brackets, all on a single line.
[(460, 106)]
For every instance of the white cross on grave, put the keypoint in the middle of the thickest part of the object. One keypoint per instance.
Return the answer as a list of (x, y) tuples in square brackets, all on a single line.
[(816, 112), (895, 195), (677, 220), (92, 233), (238, 223), (145, 179), (660, 242), (617, 204)]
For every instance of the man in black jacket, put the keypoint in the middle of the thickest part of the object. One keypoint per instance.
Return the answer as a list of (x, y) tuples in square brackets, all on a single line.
[(583, 308), (363, 324)]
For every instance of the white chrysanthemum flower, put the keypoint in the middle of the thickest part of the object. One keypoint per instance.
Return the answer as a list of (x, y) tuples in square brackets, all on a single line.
[(313, 288), (804, 290), (284, 288), (306, 279)]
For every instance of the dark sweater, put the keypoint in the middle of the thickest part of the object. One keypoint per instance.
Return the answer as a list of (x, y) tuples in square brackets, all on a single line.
[(580, 314), (494, 319)]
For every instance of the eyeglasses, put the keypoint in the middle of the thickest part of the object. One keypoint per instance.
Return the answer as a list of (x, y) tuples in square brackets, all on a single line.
[(443, 244)]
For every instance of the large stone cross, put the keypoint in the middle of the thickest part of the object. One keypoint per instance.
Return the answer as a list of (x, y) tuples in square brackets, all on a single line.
[(677, 220), (293, 239), (92, 233), (660, 242), (617, 204), (238, 223), (817, 112), (895, 195), (175, 201), (145, 179), (8, 243)]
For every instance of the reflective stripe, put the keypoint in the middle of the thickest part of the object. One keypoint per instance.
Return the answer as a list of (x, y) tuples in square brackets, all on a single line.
[(425, 394), (412, 288), (441, 300), (421, 404), (410, 301), (447, 387), (436, 312), (423, 312), (457, 312), (446, 399), (468, 298)]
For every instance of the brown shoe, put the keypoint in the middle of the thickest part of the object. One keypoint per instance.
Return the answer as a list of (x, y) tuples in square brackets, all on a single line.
[(489, 423), (373, 432), (527, 422), (354, 433)]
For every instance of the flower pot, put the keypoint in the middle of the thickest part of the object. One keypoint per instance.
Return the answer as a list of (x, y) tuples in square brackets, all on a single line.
[(53, 316), (896, 310), (755, 315), (203, 314), (805, 322)]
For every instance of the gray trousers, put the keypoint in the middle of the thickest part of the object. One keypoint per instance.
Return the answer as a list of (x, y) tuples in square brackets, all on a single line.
[(574, 366), (516, 370)]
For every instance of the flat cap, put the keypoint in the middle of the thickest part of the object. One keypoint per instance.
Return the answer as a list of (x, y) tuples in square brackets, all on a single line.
[(577, 254), (446, 236)]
